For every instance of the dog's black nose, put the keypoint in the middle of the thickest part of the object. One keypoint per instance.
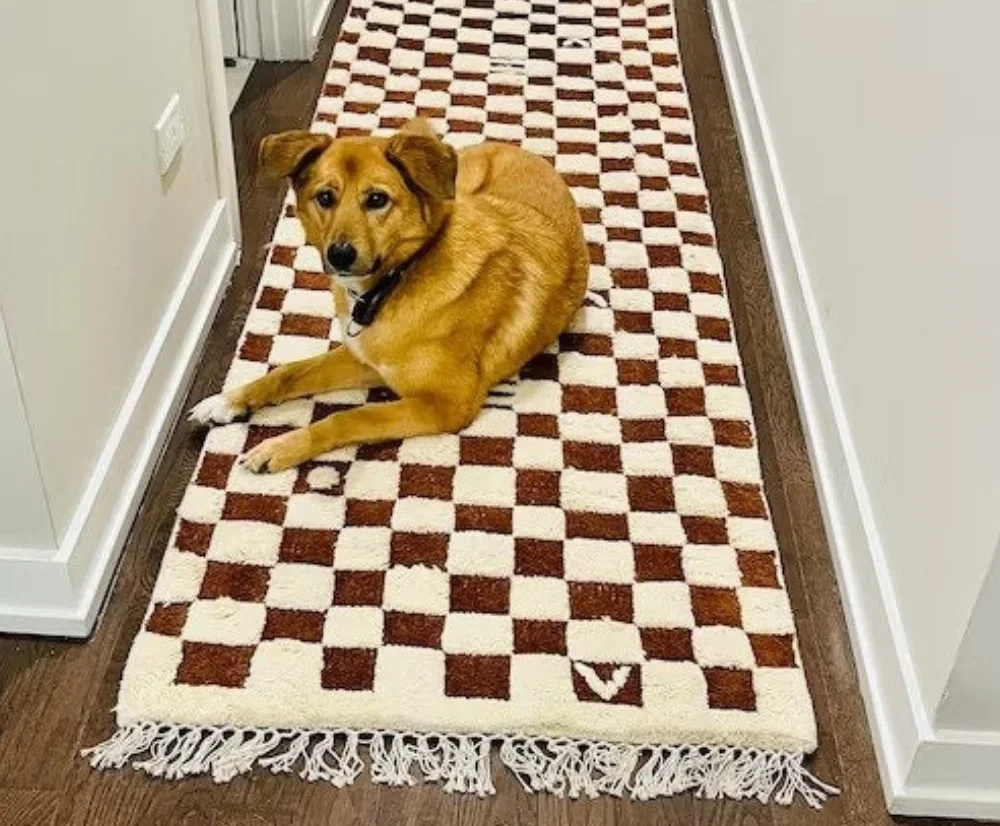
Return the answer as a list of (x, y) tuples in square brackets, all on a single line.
[(341, 255)]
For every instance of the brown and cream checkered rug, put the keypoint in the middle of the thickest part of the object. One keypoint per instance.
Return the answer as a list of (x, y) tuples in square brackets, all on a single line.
[(588, 576)]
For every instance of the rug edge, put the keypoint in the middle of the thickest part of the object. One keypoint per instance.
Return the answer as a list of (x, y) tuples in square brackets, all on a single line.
[(463, 762)]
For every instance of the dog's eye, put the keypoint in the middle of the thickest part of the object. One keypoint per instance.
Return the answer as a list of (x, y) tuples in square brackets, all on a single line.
[(376, 199), (325, 198)]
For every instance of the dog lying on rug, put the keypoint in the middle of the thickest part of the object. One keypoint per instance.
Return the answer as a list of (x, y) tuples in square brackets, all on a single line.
[(451, 271)]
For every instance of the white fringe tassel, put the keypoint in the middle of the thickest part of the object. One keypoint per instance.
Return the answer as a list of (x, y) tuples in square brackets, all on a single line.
[(463, 762)]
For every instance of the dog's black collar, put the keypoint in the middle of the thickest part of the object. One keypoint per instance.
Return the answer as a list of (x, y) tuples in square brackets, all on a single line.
[(367, 305)]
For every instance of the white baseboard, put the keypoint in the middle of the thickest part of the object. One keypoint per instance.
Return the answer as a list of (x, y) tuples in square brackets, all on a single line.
[(61, 595), (236, 79), (953, 774), (924, 772)]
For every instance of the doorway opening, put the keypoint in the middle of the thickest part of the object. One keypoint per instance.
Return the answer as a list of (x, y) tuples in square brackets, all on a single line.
[(268, 30)]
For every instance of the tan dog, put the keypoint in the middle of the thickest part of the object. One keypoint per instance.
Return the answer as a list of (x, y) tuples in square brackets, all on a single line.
[(487, 253)]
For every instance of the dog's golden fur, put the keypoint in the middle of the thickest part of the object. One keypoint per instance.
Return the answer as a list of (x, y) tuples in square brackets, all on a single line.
[(495, 267)]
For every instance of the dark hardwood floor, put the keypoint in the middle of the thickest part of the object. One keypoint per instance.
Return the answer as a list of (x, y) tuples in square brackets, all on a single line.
[(56, 696)]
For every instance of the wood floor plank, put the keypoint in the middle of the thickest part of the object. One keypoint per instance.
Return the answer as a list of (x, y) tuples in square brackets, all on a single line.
[(128, 797), (45, 688), (28, 807)]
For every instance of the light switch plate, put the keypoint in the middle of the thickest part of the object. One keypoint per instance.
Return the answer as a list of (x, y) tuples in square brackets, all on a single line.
[(169, 134)]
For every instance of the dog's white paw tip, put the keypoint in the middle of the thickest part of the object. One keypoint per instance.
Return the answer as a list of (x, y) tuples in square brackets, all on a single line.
[(213, 410), (255, 461)]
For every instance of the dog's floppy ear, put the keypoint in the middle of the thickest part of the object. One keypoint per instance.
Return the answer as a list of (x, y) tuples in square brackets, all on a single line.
[(428, 165), (289, 154)]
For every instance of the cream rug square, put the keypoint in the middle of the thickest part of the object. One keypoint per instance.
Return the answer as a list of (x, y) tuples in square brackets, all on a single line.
[(586, 578)]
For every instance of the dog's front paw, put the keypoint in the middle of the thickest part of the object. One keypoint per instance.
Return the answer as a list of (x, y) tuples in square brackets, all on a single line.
[(277, 454), (215, 409)]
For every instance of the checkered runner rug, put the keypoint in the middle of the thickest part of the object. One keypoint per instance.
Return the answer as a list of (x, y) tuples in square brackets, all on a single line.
[(587, 577)]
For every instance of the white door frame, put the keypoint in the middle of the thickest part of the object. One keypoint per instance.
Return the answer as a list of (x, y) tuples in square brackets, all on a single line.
[(230, 34), (218, 109), (281, 29)]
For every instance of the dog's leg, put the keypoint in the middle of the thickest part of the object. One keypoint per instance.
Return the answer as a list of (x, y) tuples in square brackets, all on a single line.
[(417, 416), (336, 370)]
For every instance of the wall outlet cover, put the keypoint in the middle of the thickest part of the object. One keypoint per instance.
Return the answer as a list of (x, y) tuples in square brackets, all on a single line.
[(169, 134)]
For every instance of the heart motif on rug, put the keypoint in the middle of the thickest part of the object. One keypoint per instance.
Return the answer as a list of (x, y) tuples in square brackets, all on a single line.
[(607, 688), (324, 478)]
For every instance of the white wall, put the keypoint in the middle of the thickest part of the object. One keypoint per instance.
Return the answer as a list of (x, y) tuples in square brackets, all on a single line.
[(109, 277), (885, 122), (24, 513), (972, 698), (97, 241)]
